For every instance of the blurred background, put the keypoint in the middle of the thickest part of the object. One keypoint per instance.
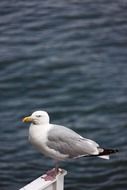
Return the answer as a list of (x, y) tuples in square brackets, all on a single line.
[(69, 58)]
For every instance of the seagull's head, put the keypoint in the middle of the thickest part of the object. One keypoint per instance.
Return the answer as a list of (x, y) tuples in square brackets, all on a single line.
[(37, 118)]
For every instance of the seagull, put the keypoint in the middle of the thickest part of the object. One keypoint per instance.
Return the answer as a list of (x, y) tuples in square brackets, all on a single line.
[(60, 143)]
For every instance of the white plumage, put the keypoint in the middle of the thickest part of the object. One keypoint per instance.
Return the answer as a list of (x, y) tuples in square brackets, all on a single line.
[(59, 142)]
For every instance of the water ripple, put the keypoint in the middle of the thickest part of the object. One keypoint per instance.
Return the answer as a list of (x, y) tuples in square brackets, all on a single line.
[(68, 58)]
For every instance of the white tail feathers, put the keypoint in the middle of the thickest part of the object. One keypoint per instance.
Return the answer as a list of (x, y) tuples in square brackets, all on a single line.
[(105, 157)]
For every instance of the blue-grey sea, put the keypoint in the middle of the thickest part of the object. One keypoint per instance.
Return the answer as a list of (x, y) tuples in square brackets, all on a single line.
[(69, 58)]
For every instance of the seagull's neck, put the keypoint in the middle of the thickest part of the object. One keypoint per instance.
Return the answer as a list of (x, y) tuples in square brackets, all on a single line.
[(44, 127)]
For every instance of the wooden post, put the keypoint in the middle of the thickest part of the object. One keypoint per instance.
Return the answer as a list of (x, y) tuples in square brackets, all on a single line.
[(41, 184)]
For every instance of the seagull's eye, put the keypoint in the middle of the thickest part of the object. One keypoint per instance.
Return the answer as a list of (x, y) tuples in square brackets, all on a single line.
[(38, 115)]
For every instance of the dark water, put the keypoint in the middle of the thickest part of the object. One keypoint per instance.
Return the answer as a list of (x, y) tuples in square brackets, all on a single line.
[(68, 57)]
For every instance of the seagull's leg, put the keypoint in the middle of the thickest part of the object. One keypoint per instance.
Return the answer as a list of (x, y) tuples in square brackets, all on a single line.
[(51, 174), (57, 169)]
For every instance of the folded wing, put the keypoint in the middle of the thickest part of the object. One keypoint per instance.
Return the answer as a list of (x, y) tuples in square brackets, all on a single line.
[(68, 142)]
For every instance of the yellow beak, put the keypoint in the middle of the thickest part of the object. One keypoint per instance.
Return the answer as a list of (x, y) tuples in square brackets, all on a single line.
[(27, 119)]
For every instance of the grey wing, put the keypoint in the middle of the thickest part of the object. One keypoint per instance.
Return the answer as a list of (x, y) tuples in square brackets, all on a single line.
[(68, 142)]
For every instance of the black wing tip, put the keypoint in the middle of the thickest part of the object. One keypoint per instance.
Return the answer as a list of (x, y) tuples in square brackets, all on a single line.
[(108, 151), (113, 150)]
